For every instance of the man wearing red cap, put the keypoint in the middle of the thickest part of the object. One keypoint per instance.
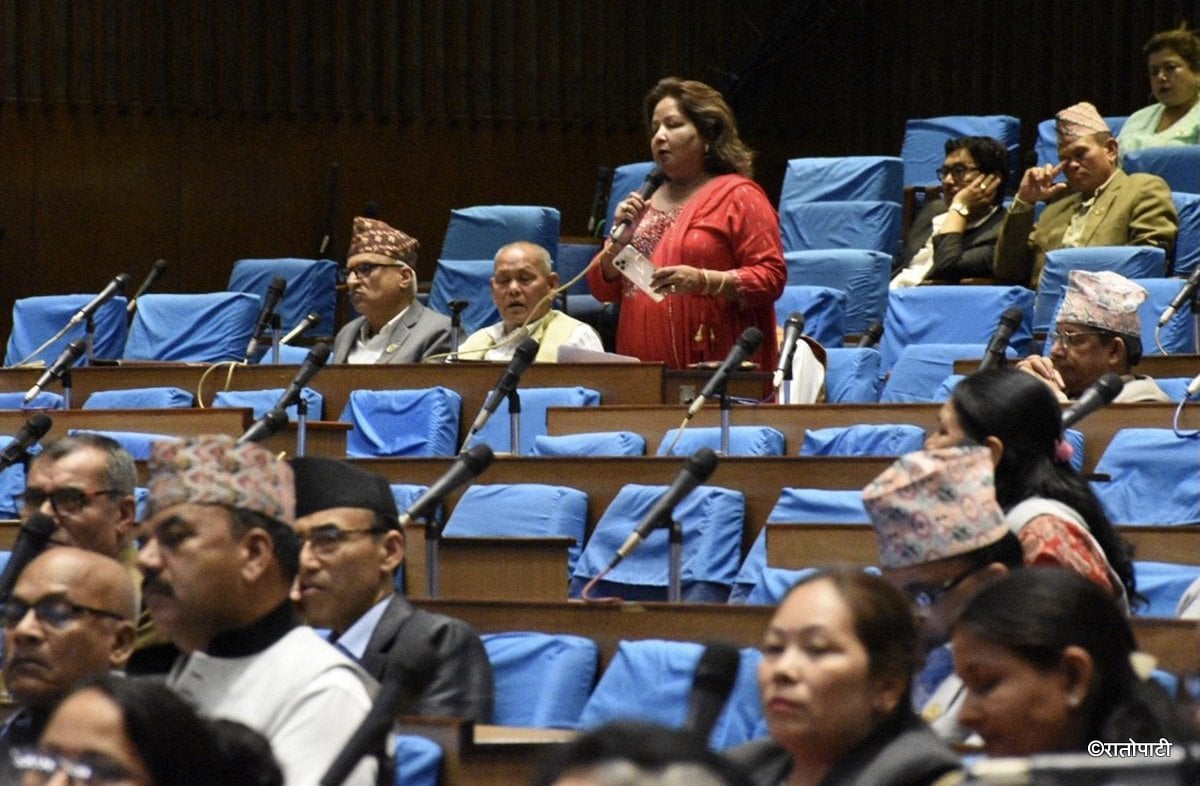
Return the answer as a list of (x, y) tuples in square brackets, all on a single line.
[(382, 285), (1104, 206)]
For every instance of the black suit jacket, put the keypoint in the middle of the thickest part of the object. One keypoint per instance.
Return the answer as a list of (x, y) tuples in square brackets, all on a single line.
[(955, 256), (440, 661)]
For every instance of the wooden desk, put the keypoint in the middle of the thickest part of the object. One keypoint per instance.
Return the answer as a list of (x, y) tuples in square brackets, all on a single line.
[(515, 568), (178, 422), (654, 421), (1163, 366)]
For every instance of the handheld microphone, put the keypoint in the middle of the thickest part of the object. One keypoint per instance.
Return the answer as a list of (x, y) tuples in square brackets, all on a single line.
[(34, 429), (1181, 297), (524, 354), (716, 674), (466, 467), (1099, 394), (72, 353), (1010, 320), (696, 470), (32, 538), (114, 287), (310, 321), (744, 347), (270, 302), (792, 329), (152, 278), (871, 335), (654, 178)]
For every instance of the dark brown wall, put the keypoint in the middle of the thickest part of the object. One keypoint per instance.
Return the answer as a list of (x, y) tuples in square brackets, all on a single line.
[(208, 131)]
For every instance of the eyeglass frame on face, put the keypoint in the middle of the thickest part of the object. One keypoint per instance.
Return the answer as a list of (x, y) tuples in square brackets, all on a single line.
[(69, 499), (363, 270), (332, 537), (958, 172), (42, 611), (927, 598), (46, 763), (1071, 338)]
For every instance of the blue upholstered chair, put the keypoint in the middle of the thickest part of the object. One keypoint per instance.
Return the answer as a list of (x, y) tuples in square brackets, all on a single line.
[(542, 680), (1179, 166), (208, 327), (15, 399), (598, 443), (311, 286), (497, 432), (852, 375), (924, 146), (137, 443), (743, 441), (864, 439), (862, 275), (818, 226), (140, 398), (261, 401), (402, 422), (1152, 477), (1129, 261), (921, 369), (824, 310), (843, 179), (1187, 242), (36, 319)]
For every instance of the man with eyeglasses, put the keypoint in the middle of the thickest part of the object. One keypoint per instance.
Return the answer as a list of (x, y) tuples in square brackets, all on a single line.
[(71, 615), (954, 237), (1097, 331), (219, 558), (382, 285), (1099, 205), (352, 548), (941, 536)]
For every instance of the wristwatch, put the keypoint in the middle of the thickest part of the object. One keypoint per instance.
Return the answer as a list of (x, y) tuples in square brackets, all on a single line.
[(960, 208)]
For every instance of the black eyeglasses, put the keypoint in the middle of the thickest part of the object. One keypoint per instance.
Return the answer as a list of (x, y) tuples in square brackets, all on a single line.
[(923, 597), (1075, 338), (42, 764), (67, 500), (326, 539), (53, 610), (958, 171), (364, 270)]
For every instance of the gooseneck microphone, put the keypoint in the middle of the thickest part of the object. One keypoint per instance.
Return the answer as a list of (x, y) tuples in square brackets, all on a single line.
[(697, 469), (465, 468), (115, 287), (654, 178), (744, 347), (523, 355), (276, 418), (1181, 297), (716, 674), (160, 267), (310, 321), (34, 429), (1010, 320), (66, 359), (871, 335), (263, 324), (1099, 394), (792, 330), (32, 538)]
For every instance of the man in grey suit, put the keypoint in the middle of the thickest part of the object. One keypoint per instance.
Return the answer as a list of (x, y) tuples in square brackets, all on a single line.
[(352, 548), (382, 284)]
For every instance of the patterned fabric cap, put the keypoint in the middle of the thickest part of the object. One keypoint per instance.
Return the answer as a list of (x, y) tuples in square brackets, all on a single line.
[(934, 504), (1079, 120), (213, 470), (375, 237), (1104, 300)]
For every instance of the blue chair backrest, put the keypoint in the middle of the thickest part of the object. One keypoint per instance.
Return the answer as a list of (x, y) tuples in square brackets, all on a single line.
[(1153, 477), (406, 494), (626, 178), (862, 275), (1187, 242), (136, 443), (402, 422), (1046, 146), (261, 401), (15, 399), (479, 232), (924, 146), (12, 485), (863, 439), (497, 432), (469, 280), (522, 509), (843, 179), (918, 374), (824, 310), (852, 375), (1175, 387), (36, 319), (1162, 584), (140, 398), (1177, 335), (208, 327), (1179, 166), (817, 226), (573, 259), (311, 286), (951, 315), (712, 519), (288, 355), (542, 680), (774, 584), (597, 443), (651, 680), (1129, 261), (418, 761), (743, 441)]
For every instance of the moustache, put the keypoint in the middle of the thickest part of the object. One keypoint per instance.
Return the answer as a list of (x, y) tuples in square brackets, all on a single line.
[(151, 583)]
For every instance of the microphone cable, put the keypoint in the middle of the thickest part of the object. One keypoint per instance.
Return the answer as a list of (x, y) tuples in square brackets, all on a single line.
[(45, 345)]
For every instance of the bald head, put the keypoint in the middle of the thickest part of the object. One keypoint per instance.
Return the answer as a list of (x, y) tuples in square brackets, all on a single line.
[(94, 579)]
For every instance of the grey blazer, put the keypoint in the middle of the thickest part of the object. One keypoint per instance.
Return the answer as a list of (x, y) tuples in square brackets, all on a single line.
[(420, 333)]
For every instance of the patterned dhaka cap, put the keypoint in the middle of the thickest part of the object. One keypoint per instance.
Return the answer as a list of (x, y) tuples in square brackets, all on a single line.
[(1104, 300), (934, 504), (372, 236), (1079, 120), (214, 470)]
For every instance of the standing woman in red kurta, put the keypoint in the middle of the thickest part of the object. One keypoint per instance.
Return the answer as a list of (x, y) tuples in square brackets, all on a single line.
[(709, 231)]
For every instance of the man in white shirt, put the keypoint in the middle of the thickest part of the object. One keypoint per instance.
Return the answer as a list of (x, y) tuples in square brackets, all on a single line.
[(523, 281)]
